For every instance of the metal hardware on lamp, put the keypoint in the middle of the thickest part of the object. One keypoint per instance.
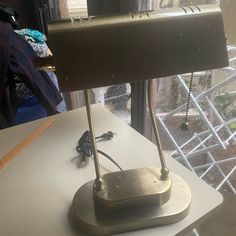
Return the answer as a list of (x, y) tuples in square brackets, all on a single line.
[(100, 51)]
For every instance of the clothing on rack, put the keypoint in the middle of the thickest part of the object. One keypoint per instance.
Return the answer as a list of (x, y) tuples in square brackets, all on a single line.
[(16, 57), (32, 35), (23, 93), (37, 40)]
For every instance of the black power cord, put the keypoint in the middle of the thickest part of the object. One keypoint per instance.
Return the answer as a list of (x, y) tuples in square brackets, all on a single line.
[(85, 150), (109, 158)]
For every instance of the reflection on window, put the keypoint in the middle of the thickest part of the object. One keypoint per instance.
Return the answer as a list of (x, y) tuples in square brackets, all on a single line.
[(77, 8)]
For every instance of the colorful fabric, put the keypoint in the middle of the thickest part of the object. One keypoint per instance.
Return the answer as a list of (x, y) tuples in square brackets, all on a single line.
[(16, 58), (23, 93), (32, 35)]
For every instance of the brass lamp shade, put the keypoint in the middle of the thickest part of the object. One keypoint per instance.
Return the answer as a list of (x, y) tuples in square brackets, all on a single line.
[(102, 51)]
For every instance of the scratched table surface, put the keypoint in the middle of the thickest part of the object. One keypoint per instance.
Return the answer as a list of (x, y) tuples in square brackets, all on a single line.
[(37, 187)]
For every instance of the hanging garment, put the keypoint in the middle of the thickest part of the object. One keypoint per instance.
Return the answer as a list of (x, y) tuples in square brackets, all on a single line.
[(37, 40), (6, 111), (17, 56), (23, 93), (32, 35)]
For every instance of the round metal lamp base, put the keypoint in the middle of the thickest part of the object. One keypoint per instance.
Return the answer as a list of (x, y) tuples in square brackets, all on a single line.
[(98, 221)]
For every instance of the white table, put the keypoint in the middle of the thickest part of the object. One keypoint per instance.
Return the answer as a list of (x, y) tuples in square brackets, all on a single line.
[(37, 187)]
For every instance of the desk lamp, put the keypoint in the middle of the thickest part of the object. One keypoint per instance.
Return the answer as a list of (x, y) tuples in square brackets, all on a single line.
[(106, 50)]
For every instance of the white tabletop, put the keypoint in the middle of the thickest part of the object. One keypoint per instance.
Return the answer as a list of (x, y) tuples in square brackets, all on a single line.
[(37, 187)]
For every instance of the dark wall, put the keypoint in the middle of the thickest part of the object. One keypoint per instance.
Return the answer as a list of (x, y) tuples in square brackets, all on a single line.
[(27, 10)]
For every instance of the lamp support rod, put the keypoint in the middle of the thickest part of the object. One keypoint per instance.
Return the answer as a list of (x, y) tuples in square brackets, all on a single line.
[(164, 169), (98, 180)]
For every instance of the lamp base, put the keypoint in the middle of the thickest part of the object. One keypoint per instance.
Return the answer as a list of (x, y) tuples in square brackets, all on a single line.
[(133, 188), (95, 220)]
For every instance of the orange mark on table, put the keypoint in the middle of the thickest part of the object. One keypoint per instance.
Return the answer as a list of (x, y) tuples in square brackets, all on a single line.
[(26, 142)]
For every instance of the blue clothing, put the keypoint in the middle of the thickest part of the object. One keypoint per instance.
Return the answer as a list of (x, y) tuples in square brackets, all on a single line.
[(32, 35), (30, 110), (16, 58), (41, 50)]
